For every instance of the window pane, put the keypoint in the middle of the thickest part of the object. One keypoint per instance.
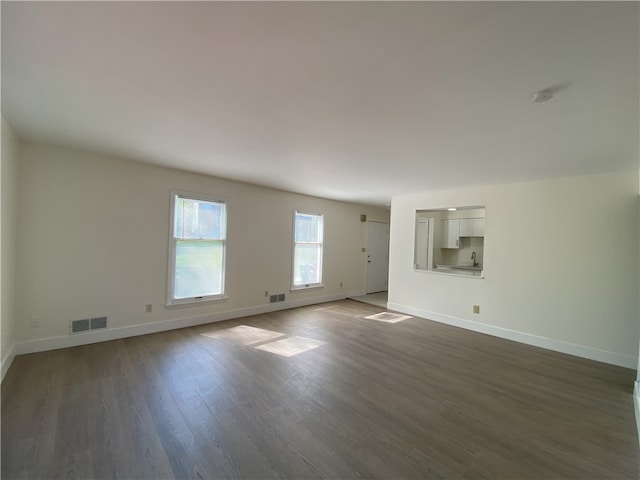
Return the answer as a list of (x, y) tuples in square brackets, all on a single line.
[(199, 219), (308, 228), (306, 264), (199, 269)]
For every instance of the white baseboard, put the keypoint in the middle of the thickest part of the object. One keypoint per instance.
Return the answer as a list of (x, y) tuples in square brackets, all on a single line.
[(636, 405), (591, 353), (64, 341), (7, 360)]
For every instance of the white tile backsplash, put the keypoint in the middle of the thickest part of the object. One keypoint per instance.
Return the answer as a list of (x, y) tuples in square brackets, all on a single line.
[(462, 255)]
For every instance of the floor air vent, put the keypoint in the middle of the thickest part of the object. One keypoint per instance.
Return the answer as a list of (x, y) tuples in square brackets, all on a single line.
[(88, 324), (276, 298)]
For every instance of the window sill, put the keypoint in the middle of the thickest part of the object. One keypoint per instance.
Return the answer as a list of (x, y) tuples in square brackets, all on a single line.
[(193, 303), (301, 288)]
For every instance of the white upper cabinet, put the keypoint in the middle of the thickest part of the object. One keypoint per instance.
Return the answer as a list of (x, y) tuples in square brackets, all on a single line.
[(477, 227), (465, 227), (451, 234), (472, 227)]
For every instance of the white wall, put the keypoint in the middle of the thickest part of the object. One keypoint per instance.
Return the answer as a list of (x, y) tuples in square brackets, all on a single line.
[(561, 265), (9, 175), (636, 387), (638, 368), (94, 241)]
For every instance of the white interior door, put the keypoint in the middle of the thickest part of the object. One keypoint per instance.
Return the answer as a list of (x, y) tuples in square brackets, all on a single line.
[(377, 256)]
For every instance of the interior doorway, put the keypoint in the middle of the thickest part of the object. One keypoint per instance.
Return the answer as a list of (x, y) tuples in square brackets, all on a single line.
[(377, 257)]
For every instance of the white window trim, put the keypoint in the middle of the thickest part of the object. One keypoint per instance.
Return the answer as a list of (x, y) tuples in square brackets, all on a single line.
[(306, 286), (171, 302)]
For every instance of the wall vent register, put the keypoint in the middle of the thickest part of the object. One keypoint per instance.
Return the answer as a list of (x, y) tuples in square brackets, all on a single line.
[(88, 324), (276, 298)]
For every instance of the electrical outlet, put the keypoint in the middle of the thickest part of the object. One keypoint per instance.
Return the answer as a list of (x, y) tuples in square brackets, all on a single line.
[(148, 308), (35, 322), (476, 309), (340, 284), (266, 293)]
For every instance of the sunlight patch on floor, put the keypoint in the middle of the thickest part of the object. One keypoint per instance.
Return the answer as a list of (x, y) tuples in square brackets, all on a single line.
[(388, 317), (244, 334), (290, 346)]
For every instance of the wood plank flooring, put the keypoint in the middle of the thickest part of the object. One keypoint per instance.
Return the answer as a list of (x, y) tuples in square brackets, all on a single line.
[(414, 399)]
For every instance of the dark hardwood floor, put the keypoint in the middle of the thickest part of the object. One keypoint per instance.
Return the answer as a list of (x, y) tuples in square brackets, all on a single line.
[(414, 399)]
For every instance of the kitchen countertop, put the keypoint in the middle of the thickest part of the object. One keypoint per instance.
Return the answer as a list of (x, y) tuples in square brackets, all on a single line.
[(456, 271), (460, 270), (477, 268)]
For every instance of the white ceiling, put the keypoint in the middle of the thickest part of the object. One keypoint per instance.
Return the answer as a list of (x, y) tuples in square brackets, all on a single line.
[(351, 101)]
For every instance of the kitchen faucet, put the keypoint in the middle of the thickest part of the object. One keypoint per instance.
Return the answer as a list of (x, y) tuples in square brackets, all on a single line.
[(473, 257)]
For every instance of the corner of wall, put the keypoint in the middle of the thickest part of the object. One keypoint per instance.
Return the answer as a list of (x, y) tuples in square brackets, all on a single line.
[(8, 244), (7, 360), (638, 207), (636, 405)]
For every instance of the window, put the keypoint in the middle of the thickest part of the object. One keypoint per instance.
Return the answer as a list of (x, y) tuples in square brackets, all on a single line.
[(450, 241), (197, 244), (307, 250)]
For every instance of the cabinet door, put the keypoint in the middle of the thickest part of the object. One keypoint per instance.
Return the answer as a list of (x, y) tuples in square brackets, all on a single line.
[(477, 227), (451, 238), (466, 227)]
